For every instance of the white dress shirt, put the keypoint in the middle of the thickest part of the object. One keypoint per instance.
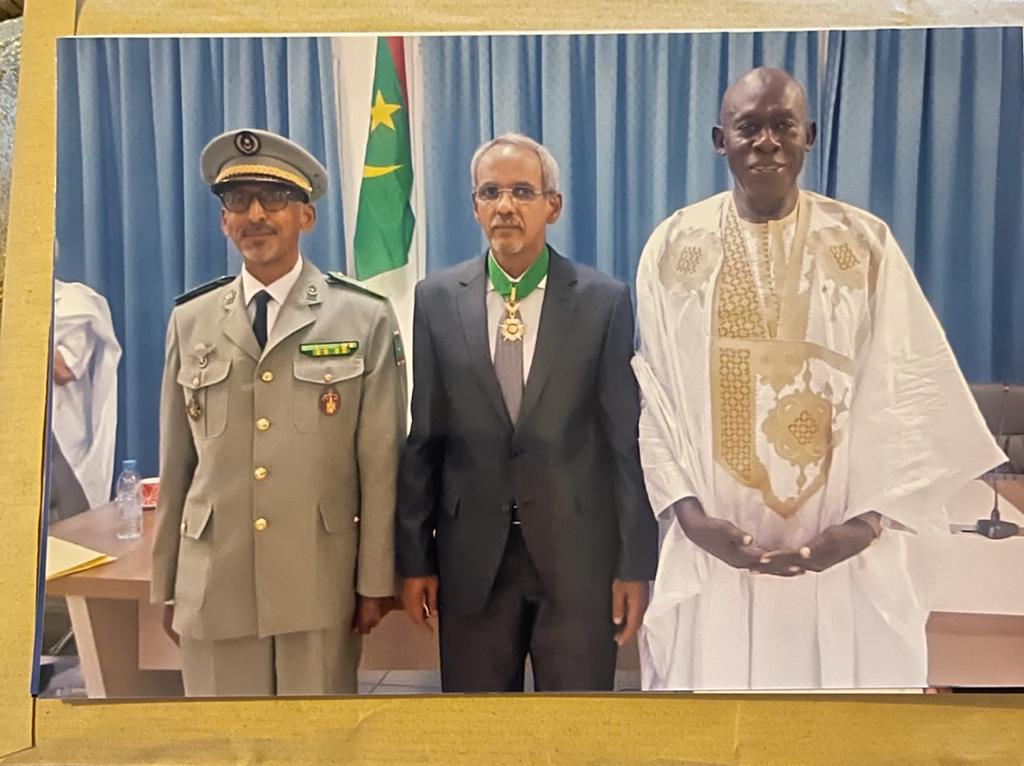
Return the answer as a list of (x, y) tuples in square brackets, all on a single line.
[(278, 290), (529, 311)]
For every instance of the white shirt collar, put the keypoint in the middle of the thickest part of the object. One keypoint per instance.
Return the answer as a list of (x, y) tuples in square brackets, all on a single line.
[(490, 288), (278, 289)]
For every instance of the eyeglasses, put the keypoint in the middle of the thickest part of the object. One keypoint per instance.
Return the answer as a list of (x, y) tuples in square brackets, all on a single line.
[(272, 198), (518, 192)]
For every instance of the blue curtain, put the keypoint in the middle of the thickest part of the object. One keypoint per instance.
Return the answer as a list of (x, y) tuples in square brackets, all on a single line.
[(134, 219), (627, 117), (924, 129)]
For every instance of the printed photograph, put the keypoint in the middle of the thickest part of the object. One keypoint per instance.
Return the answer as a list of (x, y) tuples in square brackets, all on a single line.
[(677, 362)]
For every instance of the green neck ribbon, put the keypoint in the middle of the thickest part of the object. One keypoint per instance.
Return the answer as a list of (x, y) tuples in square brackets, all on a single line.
[(525, 284)]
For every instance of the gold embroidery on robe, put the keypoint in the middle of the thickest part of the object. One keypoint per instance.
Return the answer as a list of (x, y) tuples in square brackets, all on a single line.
[(843, 256), (735, 425), (686, 263), (800, 425), (737, 310)]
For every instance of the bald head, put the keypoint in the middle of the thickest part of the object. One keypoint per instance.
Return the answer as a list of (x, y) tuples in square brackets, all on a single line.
[(764, 134), (757, 82)]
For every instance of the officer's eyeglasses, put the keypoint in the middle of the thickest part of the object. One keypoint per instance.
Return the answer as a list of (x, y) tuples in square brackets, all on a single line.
[(518, 192), (273, 198)]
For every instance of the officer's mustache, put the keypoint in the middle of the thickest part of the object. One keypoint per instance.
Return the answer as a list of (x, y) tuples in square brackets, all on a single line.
[(257, 230)]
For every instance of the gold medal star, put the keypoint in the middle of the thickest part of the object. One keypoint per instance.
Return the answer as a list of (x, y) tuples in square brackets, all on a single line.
[(381, 111)]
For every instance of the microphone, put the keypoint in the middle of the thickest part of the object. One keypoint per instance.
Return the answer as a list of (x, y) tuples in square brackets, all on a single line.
[(994, 528)]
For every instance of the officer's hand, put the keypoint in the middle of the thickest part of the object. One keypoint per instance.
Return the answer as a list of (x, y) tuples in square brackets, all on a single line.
[(61, 372), (629, 602), (721, 538), (168, 622), (842, 541), (419, 598), (370, 610)]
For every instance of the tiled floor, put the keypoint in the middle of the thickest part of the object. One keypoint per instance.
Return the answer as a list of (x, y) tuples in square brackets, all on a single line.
[(403, 682), (393, 682), (67, 681)]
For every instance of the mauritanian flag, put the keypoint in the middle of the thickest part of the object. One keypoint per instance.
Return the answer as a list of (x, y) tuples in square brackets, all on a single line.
[(384, 223), (378, 94)]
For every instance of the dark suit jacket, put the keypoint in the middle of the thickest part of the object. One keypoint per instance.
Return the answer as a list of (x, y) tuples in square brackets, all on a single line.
[(570, 462)]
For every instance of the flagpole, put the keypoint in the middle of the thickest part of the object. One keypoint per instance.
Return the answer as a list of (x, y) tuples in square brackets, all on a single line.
[(414, 73)]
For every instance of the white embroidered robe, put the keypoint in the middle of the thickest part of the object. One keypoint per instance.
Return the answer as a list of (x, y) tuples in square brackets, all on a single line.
[(794, 376)]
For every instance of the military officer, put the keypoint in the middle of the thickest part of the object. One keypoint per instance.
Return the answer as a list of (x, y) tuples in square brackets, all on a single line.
[(282, 413)]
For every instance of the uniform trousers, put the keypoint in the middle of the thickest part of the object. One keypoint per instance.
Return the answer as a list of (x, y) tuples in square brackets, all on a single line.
[(305, 663), (571, 645)]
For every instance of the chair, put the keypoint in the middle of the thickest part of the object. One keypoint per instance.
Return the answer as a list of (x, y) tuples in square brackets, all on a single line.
[(1009, 434)]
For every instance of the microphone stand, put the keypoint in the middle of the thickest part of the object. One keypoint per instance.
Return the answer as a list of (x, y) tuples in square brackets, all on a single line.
[(994, 528)]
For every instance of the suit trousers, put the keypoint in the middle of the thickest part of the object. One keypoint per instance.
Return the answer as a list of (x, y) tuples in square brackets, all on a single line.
[(571, 646), (305, 663)]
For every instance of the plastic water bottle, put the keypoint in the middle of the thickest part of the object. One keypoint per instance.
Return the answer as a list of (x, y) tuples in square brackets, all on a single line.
[(129, 502)]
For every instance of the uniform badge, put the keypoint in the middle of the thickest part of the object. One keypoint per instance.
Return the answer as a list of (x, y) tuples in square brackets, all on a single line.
[(398, 349), (330, 400), (334, 348), (247, 143), (202, 351), (194, 408)]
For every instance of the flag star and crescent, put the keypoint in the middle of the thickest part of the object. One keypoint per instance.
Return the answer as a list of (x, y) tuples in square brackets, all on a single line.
[(381, 111), (384, 222)]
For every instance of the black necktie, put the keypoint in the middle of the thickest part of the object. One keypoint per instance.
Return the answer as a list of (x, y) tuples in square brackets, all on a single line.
[(259, 323)]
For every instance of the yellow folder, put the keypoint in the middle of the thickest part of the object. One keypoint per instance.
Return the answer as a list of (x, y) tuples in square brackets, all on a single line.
[(64, 558)]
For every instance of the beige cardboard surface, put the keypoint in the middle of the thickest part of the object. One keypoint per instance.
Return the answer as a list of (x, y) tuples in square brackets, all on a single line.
[(491, 730)]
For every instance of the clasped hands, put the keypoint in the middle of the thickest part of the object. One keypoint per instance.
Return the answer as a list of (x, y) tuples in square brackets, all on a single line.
[(726, 541)]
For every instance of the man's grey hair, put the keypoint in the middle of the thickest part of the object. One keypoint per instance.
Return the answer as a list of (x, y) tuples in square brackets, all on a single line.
[(548, 166)]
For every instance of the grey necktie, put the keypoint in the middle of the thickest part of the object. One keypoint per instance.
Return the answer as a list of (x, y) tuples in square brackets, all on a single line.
[(508, 365)]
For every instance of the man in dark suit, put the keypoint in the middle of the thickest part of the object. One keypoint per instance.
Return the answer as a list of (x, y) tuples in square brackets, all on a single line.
[(522, 516)]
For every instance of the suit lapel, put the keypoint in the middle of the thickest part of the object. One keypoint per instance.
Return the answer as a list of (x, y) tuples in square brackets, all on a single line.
[(296, 311), (556, 313), (472, 303), (235, 324)]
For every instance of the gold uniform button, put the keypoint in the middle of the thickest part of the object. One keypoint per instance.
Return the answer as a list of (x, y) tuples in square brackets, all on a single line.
[(355, 519), (328, 377), (195, 381), (267, 376), (260, 473), (262, 424), (260, 524)]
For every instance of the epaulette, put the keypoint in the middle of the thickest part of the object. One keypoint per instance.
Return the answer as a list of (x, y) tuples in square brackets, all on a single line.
[(203, 288), (337, 278)]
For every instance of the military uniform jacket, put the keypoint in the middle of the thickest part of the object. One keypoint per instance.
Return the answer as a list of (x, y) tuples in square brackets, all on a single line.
[(273, 511)]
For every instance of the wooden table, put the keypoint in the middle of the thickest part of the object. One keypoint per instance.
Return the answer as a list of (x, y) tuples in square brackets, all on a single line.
[(122, 646), (976, 629)]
